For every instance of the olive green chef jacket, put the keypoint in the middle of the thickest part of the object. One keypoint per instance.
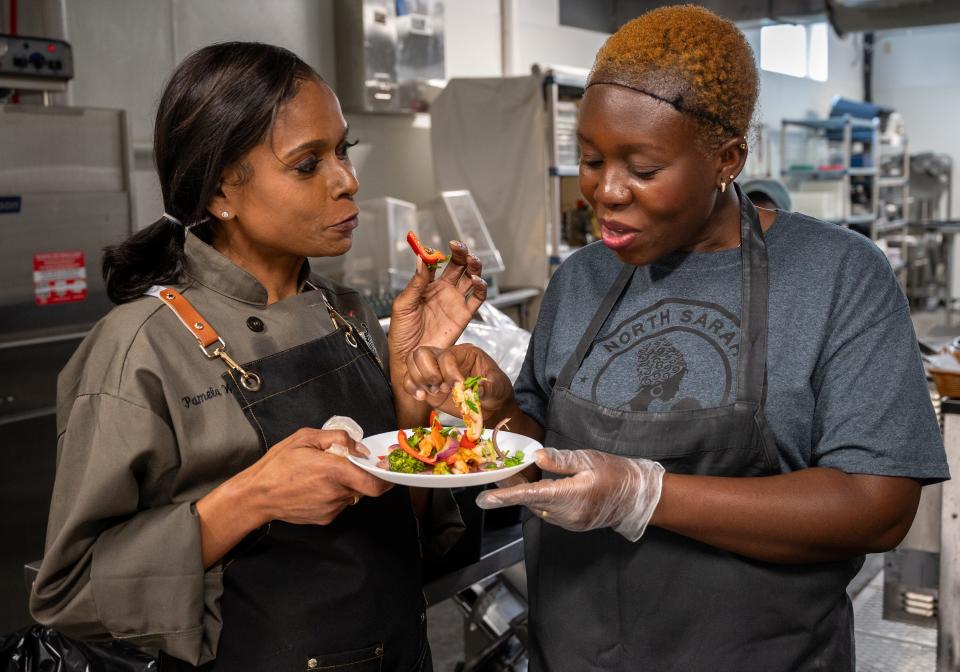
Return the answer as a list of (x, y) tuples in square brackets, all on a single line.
[(145, 429)]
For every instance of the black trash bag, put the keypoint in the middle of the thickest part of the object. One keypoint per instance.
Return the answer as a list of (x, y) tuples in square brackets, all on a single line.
[(40, 649)]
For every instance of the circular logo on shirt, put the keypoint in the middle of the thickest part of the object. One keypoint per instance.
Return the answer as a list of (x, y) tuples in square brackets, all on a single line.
[(674, 355)]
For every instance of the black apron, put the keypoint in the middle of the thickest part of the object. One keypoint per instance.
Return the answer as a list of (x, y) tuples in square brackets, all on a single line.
[(667, 602), (344, 597)]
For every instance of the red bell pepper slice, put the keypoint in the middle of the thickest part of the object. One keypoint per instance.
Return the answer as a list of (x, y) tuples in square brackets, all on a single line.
[(412, 452), (467, 442), (430, 256)]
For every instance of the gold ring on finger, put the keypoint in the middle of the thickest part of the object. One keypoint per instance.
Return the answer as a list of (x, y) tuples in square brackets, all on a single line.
[(356, 498), (544, 514)]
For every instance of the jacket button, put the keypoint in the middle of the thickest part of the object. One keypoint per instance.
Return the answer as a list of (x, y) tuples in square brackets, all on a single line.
[(378, 651), (255, 324), (312, 663)]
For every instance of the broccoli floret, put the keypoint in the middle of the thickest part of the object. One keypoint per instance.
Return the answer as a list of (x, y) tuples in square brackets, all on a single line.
[(441, 468), (404, 463), (418, 434)]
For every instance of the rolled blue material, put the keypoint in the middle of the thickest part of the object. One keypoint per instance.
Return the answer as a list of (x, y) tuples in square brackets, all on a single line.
[(858, 110)]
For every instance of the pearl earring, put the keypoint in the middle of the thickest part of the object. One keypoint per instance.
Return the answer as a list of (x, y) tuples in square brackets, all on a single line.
[(224, 214)]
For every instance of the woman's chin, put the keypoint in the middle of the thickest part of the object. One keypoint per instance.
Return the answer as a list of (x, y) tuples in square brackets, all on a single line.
[(333, 248), (638, 255)]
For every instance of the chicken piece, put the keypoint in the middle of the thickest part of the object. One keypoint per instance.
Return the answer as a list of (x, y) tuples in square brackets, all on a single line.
[(466, 395)]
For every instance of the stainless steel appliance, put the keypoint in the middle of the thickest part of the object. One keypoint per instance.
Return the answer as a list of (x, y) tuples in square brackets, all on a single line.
[(388, 51), (64, 195), (34, 63)]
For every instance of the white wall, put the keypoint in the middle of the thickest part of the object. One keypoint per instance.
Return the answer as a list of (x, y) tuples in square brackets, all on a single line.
[(545, 41), (917, 72), (473, 38)]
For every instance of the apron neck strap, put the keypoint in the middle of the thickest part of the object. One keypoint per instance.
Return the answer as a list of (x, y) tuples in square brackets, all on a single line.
[(606, 306), (207, 337), (752, 355)]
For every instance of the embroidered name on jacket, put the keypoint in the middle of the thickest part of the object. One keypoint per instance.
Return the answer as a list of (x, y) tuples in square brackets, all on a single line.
[(676, 354), (209, 393)]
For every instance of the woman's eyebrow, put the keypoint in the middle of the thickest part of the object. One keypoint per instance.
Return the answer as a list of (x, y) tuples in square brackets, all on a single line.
[(317, 143)]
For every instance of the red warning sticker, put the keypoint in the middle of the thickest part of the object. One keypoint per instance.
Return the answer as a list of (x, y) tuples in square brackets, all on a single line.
[(59, 277)]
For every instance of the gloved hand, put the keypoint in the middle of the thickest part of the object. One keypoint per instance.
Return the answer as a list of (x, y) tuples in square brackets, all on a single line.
[(602, 490), (353, 430)]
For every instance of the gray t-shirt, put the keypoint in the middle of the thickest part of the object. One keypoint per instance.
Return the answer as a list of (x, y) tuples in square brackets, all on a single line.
[(846, 384)]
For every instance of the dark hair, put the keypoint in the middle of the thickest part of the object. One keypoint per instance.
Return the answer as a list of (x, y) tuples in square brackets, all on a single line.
[(219, 104)]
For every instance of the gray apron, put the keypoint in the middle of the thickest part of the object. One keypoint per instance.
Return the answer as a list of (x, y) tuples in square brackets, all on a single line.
[(667, 602)]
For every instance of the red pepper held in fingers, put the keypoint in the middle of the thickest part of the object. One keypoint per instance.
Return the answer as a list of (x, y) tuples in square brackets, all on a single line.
[(430, 256), (412, 452)]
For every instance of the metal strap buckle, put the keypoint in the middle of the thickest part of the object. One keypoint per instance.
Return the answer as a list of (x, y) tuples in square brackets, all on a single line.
[(250, 381), (336, 317)]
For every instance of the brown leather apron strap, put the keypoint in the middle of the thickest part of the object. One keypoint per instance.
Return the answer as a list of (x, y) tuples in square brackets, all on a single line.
[(207, 337), (203, 331)]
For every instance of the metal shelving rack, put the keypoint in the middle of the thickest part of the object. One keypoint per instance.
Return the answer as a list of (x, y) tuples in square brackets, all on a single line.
[(886, 191), (827, 131), (891, 183), (560, 86)]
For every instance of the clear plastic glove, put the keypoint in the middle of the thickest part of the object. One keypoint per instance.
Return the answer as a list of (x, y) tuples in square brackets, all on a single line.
[(353, 430), (601, 490)]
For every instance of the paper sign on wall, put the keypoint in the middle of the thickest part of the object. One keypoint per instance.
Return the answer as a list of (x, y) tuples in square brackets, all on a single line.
[(59, 277)]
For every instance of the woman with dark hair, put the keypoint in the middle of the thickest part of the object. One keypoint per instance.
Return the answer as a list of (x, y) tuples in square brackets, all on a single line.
[(199, 509), (814, 431)]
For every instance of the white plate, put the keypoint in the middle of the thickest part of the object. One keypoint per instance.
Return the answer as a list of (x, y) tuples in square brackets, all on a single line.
[(508, 442)]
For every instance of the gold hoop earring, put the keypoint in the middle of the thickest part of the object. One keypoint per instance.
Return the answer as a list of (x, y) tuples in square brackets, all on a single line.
[(743, 145)]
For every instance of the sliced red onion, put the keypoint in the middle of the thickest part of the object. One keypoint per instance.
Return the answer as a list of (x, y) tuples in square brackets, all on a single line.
[(449, 449), (493, 438)]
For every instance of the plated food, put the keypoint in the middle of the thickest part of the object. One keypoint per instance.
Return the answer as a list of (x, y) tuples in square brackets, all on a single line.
[(450, 450), (439, 456), (509, 443)]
